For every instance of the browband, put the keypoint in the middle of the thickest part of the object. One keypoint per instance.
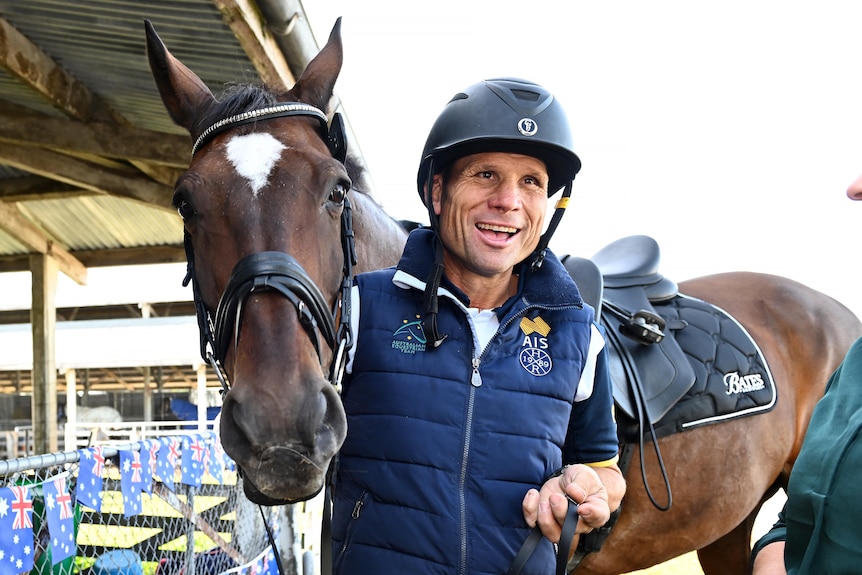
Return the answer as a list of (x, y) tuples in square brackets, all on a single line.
[(334, 135)]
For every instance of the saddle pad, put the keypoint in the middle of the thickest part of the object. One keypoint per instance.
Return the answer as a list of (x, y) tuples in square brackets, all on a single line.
[(732, 378)]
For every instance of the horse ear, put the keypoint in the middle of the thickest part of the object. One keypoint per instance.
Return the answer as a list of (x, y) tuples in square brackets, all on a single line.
[(183, 92), (317, 83)]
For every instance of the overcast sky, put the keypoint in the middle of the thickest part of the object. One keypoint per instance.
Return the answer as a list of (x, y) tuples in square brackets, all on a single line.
[(729, 131)]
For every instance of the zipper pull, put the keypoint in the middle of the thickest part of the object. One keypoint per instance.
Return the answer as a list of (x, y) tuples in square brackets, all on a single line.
[(476, 379), (356, 509)]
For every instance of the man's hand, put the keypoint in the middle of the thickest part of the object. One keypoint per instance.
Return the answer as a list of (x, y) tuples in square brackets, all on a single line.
[(583, 484)]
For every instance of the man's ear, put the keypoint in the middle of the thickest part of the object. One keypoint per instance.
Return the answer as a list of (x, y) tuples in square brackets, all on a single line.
[(436, 193)]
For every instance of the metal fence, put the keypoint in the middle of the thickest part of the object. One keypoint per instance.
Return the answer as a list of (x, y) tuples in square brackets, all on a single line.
[(179, 526)]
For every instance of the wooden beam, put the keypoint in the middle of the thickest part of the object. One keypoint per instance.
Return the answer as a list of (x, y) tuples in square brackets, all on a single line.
[(30, 187), (79, 173), (43, 319), (30, 64), (111, 257), (22, 126), (245, 20), (34, 240)]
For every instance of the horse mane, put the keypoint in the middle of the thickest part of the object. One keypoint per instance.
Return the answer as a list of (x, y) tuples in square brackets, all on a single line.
[(244, 97)]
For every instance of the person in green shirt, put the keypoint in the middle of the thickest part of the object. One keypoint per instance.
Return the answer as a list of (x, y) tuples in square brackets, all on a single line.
[(819, 531)]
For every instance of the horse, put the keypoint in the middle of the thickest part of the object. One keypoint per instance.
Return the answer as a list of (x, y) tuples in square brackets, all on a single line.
[(273, 235)]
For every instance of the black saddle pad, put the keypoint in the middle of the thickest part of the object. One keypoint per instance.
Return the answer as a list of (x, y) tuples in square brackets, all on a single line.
[(732, 378)]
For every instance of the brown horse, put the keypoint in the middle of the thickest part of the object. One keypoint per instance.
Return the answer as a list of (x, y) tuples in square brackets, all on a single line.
[(265, 181)]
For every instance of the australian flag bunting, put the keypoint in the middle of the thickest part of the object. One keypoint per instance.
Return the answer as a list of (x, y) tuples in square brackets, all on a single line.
[(149, 453), (89, 487), (16, 530), (217, 463), (194, 460), (131, 481), (166, 461), (61, 519)]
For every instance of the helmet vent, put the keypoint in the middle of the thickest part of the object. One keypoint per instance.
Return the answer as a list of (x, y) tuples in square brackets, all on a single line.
[(528, 95), (458, 96)]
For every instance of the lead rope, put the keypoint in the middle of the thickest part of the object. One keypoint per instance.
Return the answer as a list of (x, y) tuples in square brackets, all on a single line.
[(563, 547)]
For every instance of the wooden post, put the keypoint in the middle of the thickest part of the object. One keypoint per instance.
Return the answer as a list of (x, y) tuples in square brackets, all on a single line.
[(71, 435), (43, 319)]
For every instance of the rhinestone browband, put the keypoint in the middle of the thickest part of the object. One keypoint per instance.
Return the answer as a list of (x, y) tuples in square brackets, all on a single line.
[(277, 111)]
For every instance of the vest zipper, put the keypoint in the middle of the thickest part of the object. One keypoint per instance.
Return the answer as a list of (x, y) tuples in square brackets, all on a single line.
[(475, 383)]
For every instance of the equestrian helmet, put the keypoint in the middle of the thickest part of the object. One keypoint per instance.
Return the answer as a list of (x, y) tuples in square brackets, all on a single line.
[(502, 115)]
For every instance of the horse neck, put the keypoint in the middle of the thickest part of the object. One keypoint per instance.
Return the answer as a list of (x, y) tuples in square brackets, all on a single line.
[(379, 238)]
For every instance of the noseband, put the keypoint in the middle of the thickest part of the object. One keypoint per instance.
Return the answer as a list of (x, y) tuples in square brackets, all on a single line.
[(278, 271)]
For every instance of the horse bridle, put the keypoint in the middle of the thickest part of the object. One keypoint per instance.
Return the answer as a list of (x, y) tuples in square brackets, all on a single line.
[(279, 271)]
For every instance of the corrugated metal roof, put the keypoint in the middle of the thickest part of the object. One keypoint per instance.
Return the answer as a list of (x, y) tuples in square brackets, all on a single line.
[(55, 54), (100, 46)]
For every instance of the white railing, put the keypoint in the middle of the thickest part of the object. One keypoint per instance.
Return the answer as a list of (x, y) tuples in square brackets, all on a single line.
[(19, 441)]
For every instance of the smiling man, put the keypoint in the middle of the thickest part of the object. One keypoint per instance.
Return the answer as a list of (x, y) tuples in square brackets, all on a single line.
[(477, 396)]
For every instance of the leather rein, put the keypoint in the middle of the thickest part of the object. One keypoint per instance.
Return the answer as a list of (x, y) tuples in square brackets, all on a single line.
[(278, 271)]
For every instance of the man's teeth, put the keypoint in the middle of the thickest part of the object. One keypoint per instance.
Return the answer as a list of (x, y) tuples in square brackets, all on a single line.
[(493, 228)]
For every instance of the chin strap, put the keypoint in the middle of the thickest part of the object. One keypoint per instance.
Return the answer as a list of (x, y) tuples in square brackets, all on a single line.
[(559, 210), (435, 276)]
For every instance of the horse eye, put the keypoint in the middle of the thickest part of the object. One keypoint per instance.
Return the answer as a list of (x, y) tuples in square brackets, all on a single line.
[(184, 207), (338, 193)]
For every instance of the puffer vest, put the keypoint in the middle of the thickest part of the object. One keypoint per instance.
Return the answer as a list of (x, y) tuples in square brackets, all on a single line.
[(444, 443)]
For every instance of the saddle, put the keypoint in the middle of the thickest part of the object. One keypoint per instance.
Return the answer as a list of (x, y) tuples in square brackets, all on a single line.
[(676, 362)]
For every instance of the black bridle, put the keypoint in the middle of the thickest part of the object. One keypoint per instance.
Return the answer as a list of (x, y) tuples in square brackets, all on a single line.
[(279, 271)]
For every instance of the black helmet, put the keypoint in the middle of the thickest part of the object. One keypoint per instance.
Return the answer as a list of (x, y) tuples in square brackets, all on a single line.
[(502, 115)]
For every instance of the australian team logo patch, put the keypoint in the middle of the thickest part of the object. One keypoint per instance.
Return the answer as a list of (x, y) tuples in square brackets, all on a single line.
[(534, 356), (410, 337)]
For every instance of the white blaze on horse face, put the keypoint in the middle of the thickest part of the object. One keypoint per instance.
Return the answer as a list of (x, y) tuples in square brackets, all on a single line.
[(253, 157)]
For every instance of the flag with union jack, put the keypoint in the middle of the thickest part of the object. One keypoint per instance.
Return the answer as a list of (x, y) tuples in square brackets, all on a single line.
[(194, 460), (61, 519), (16, 530), (166, 462), (216, 458), (89, 487), (149, 453), (131, 481)]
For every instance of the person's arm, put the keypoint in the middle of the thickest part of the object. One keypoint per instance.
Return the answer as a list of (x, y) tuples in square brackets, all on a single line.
[(768, 552), (770, 560)]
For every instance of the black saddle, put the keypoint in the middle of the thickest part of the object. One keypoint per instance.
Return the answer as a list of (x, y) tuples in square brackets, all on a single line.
[(622, 283), (676, 362)]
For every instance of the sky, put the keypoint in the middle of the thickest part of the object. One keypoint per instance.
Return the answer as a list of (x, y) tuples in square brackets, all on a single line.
[(728, 131)]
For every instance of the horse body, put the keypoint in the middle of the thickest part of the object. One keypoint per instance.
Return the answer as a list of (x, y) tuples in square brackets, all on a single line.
[(282, 420), (721, 474)]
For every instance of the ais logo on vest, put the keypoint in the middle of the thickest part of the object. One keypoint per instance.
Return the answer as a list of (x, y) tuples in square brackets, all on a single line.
[(534, 357), (410, 337)]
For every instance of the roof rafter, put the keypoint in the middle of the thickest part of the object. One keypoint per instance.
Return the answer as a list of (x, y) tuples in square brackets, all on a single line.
[(248, 25)]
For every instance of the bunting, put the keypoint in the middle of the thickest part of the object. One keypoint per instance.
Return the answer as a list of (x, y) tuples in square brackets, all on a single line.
[(193, 460), (166, 463), (61, 519), (16, 530), (131, 482), (89, 487)]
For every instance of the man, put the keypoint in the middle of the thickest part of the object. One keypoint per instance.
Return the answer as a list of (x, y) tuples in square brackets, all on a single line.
[(477, 370), (818, 530)]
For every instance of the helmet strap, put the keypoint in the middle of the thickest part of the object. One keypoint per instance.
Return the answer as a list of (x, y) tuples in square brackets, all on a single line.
[(560, 209), (435, 276)]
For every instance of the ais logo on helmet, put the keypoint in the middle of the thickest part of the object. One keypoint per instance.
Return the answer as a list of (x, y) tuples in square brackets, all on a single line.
[(534, 357)]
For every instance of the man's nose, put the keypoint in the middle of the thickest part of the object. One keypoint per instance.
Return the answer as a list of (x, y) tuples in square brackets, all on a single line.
[(854, 192)]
